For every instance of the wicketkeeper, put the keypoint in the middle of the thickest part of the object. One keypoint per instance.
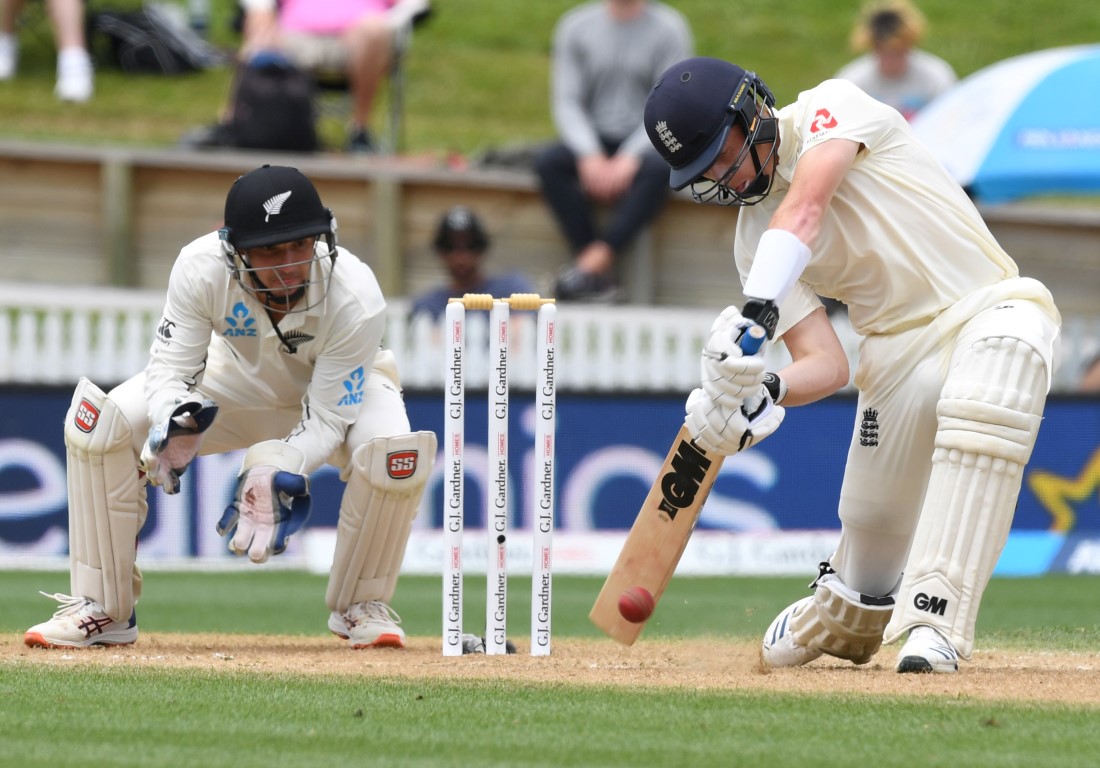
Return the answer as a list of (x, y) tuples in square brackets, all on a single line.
[(270, 341), (839, 200)]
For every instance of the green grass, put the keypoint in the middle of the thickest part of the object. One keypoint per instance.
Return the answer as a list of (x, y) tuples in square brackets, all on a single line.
[(1056, 612), (478, 70), (150, 717), (173, 718)]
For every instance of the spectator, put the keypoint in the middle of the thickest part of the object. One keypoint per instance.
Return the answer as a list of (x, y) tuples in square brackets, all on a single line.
[(893, 70), (606, 55), (75, 80), (461, 243), (358, 37)]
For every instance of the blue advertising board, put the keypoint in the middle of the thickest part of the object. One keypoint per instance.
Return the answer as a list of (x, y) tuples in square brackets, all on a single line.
[(609, 448)]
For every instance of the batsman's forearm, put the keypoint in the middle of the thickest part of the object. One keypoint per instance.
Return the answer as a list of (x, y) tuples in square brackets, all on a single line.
[(809, 380)]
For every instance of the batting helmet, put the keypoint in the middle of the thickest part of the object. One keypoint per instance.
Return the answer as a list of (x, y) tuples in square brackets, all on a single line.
[(688, 116)]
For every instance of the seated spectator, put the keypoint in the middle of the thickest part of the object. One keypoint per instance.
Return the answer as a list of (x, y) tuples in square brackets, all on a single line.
[(606, 56), (894, 70), (462, 243), (357, 37), (75, 80)]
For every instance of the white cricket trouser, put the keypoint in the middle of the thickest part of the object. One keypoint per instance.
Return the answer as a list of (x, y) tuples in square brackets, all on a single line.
[(890, 455)]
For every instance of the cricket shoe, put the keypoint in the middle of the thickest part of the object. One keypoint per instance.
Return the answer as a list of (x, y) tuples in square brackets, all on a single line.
[(369, 624), (779, 648), (927, 650), (80, 622)]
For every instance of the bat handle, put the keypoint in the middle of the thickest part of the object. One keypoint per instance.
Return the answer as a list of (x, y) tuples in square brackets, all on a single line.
[(752, 339)]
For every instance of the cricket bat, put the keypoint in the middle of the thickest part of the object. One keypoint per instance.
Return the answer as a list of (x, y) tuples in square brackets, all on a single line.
[(663, 526)]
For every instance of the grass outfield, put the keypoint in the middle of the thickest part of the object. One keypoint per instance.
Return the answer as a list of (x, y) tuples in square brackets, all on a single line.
[(232, 697)]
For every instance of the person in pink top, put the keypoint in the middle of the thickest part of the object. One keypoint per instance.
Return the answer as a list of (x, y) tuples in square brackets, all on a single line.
[(356, 36)]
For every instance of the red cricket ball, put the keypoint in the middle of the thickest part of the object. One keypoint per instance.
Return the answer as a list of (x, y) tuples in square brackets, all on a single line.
[(636, 604)]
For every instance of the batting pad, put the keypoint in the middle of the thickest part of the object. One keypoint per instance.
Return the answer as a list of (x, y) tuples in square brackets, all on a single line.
[(107, 504), (376, 514), (988, 418), (843, 622)]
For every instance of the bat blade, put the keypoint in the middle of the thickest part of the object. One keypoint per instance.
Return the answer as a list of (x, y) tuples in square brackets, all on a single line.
[(659, 535)]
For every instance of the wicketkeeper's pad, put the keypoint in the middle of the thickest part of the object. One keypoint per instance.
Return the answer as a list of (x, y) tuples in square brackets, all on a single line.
[(106, 502), (376, 514)]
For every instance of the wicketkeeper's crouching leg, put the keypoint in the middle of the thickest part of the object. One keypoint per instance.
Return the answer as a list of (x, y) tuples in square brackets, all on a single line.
[(107, 507), (388, 476)]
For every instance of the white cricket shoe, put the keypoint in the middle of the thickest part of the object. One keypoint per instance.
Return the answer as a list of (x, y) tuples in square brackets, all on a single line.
[(9, 56), (779, 648), (74, 76), (370, 624), (80, 622), (927, 650)]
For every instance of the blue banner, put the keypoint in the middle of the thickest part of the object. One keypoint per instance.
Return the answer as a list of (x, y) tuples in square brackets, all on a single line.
[(608, 451)]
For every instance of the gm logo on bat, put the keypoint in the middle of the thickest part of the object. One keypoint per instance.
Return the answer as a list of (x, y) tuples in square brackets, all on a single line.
[(680, 486)]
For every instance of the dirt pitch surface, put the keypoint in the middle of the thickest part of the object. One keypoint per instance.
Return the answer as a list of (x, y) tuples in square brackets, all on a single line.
[(703, 664)]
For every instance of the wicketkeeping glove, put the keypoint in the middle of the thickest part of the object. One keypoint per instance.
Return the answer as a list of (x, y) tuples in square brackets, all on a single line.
[(270, 503), (727, 430), (728, 375), (174, 443)]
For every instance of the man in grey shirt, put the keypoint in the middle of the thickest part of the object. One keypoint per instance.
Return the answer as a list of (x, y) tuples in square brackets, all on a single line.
[(606, 56)]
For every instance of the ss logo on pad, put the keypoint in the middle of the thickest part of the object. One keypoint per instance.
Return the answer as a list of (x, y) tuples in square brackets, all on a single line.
[(401, 464)]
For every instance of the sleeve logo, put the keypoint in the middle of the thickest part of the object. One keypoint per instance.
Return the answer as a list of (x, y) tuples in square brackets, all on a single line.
[(823, 121)]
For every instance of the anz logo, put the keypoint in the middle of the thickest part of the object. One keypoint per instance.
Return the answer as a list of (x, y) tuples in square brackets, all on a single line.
[(240, 323), (354, 386)]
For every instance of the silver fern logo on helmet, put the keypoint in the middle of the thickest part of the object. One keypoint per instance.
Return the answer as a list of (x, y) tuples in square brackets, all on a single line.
[(275, 204)]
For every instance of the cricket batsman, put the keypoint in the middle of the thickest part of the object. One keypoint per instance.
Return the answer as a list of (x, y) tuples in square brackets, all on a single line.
[(270, 342), (839, 200)]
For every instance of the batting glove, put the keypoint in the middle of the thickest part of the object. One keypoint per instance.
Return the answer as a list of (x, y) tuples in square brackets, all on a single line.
[(726, 430), (728, 375)]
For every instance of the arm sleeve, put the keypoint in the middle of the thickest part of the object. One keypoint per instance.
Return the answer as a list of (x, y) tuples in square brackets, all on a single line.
[(177, 358)]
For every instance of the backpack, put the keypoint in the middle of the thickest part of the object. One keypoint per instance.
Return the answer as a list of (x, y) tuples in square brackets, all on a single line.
[(150, 41), (273, 107)]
